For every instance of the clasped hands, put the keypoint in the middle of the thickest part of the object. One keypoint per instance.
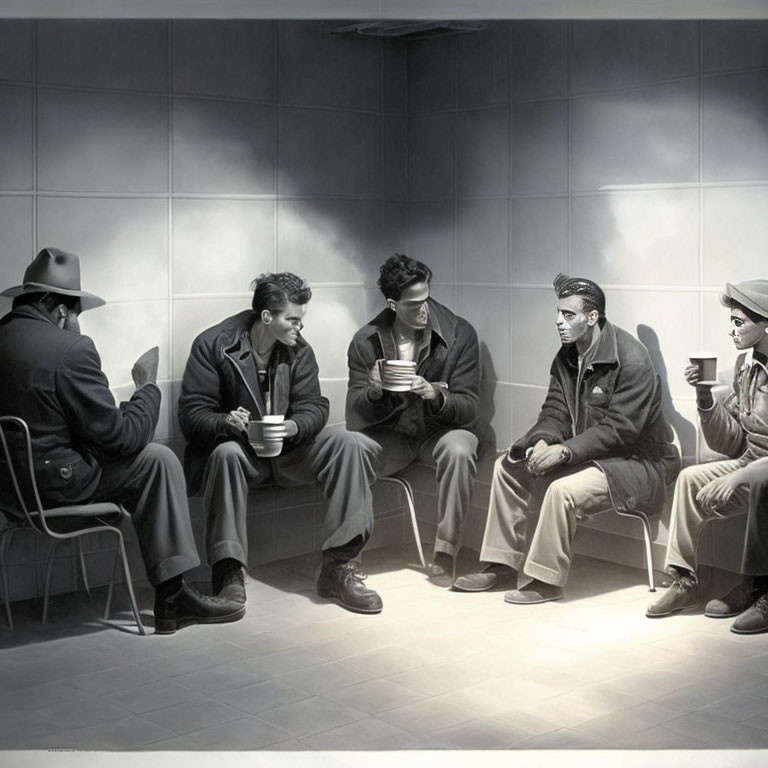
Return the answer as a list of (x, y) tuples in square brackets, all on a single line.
[(419, 386), (716, 494), (542, 458)]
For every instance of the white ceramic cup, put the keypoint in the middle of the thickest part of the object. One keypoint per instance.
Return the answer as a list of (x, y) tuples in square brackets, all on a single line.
[(396, 375), (265, 448), (707, 364)]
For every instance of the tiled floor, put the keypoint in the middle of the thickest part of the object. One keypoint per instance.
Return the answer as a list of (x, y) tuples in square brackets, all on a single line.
[(436, 670)]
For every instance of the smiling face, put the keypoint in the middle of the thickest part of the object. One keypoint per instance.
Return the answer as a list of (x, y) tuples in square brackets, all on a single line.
[(574, 324), (412, 310), (745, 332), (285, 325)]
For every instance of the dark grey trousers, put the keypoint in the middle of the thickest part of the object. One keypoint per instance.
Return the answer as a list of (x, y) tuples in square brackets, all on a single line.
[(341, 461), (152, 488)]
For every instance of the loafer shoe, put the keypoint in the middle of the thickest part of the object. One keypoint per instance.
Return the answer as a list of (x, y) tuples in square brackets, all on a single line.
[(494, 576), (754, 620), (229, 583), (342, 583), (734, 603), (188, 606), (682, 594), (534, 592)]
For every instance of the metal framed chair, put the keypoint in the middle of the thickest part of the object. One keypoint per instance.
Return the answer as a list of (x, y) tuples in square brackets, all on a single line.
[(68, 523), (408, 491)]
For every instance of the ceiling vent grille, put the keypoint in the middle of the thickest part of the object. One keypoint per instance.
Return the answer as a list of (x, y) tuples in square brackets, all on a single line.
[(407, 30)]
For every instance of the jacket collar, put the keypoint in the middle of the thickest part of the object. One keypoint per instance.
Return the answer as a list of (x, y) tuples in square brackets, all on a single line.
[(605, 352), (440, 328)]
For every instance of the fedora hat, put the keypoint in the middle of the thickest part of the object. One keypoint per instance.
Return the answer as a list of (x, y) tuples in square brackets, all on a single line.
[(55, 271)]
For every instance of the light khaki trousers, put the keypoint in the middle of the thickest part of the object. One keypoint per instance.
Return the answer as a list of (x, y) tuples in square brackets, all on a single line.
[(688, 517), (563, 497)]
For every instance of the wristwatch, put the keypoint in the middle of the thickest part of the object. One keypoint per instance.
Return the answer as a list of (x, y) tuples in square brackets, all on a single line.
[(565, 454)]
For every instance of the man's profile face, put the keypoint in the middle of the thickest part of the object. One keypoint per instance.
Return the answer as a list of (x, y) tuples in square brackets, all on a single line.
[(573, 322), (745, 332), (287, 323), (412, 309)]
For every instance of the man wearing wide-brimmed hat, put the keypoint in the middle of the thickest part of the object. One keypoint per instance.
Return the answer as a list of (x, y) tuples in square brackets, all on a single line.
[(736, 426), (85, 448)]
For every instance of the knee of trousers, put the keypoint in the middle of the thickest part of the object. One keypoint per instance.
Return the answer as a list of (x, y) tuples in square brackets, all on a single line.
[(229, 452), (558, 497), (689, 476), (343, 441), (161, 456)]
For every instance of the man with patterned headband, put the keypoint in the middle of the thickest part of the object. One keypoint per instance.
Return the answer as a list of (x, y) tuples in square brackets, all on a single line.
[(600, 442), (256, 364), (737, 427)]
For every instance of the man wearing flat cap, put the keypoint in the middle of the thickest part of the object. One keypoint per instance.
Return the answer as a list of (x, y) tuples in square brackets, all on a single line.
[(736, 426), (85, 448), (600, 442)]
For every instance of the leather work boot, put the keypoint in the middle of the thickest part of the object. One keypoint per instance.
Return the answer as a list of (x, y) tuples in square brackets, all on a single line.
[(736, 601), (188, 606), (495, 575), (228, 581), (342, 583), (683, 593), (754, 620)]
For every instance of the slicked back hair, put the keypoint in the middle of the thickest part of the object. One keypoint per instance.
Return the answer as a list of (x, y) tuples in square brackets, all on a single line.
[(273, 291), (591, 293)]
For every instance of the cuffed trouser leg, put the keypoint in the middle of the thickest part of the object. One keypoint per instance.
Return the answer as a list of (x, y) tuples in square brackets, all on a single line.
[(581, 494), (755, 559), (342, 462), (226, 479), (688, 517), (454, 456), (152, 488), (513, 491)]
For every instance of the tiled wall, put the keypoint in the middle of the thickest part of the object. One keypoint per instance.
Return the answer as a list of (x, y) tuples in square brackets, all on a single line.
[(633, 153), (180, 159)]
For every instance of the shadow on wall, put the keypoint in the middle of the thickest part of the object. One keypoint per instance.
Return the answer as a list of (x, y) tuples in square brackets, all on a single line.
[(686, 431)]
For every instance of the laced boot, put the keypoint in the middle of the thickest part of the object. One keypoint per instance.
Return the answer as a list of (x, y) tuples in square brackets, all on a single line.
[(342, 583)]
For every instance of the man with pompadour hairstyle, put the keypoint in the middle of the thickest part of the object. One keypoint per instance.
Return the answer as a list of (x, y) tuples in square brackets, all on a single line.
[(253, 365), (601, 441)]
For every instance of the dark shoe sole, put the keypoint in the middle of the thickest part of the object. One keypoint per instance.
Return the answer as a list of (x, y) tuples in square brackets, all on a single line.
[(169, 626), (536, 601), (347, 606), (749, 631), (724, 615), (671, 613)]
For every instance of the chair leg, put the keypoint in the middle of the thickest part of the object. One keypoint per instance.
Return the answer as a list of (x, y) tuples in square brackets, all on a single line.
[(48, 575), (5, 538), (111, 589), (129, 584), (83, 571), (406, 486), (648, 552)]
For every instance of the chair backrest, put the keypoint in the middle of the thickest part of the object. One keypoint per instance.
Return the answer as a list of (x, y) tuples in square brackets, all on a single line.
[(19, 465)]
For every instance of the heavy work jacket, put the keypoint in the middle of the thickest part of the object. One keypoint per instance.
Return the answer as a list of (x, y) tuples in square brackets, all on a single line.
[(221, 375), (609, 414), (451, 356), (52, 378)]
